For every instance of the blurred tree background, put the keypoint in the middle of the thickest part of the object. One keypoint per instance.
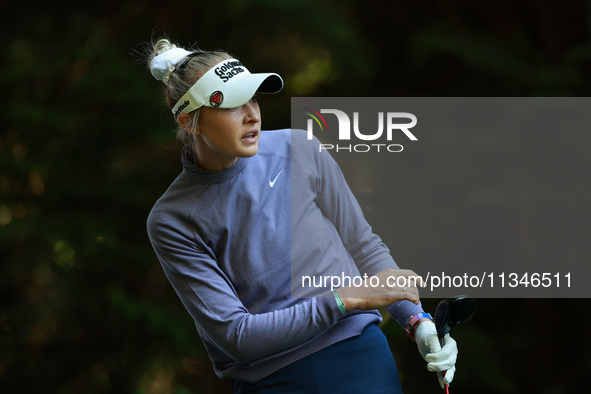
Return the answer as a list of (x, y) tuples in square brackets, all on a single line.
[(87, 146)]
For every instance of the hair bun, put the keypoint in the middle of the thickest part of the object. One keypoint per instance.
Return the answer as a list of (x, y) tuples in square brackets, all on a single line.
[(162, 46)]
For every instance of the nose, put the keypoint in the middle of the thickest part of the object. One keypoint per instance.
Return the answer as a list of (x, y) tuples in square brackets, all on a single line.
[(252, 113)]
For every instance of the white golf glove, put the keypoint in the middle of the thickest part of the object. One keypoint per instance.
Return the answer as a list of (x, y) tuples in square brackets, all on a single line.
[(438, 358)]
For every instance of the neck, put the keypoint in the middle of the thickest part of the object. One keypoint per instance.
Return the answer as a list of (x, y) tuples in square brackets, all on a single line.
[(215, 166)]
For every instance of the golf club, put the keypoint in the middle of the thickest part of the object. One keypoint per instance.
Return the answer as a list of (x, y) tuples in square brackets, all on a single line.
[(450, 313)]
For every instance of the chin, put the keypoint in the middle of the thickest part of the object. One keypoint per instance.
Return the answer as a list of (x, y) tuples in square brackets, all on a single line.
[(249, 152)]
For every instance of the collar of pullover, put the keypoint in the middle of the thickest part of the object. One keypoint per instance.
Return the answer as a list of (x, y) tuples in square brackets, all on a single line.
[(202, 176)]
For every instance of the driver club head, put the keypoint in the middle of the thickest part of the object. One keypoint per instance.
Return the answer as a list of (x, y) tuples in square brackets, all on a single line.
[(452, 312)]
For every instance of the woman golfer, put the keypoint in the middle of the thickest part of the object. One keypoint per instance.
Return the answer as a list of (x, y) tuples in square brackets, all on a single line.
[(246, 215)]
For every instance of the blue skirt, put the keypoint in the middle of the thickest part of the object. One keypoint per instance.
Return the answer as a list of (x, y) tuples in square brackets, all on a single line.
[(362, 364)]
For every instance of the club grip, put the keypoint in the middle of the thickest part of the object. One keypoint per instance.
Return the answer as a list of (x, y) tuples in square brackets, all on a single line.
[(441, 374)]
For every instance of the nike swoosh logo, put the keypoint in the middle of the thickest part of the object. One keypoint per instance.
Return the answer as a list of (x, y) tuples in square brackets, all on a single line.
[(272, 182)]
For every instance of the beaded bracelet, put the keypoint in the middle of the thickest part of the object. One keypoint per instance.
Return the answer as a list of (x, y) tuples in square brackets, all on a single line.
[(410, 323)]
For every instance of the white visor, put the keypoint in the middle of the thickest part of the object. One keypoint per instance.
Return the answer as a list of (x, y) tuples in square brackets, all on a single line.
[(228, 84)]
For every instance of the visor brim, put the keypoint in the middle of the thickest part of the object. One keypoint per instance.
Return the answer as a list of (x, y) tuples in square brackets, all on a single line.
[(239, 92)]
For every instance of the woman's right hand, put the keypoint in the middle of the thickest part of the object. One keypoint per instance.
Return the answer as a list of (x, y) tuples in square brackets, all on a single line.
[(384, 288)]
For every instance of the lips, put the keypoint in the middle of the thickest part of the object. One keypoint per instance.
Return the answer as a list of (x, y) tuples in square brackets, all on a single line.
[(251, 136)]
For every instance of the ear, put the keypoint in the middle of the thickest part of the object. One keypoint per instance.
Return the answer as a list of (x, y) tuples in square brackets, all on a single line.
[(185, 122)]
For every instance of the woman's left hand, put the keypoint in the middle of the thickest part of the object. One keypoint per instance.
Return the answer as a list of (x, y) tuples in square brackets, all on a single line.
[(438, 358)]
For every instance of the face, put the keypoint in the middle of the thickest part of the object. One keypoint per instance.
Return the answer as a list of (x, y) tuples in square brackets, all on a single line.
[(227, 134)]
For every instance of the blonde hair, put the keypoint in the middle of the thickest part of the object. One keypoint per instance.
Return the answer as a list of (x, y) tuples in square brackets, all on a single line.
[(186, 73)]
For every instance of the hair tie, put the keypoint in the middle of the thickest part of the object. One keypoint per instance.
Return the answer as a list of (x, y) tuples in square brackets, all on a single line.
[(163, 65)]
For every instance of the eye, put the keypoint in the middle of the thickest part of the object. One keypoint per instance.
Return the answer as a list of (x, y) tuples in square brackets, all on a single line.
[(253, 100), (234, 109)]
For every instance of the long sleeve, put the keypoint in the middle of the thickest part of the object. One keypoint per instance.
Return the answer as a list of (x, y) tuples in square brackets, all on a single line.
[(212, 301), (339, 205)]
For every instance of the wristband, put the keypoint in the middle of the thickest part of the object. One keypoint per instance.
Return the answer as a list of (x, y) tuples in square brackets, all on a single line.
[(340, 303), (410, 323)]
